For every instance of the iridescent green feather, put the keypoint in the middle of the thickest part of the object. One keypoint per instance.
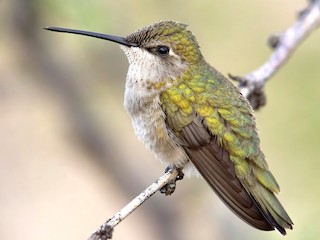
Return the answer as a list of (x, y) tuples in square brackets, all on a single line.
[(228, 116)]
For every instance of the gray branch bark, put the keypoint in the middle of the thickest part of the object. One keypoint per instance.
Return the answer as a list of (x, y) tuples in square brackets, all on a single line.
[(284, 44), (105, 231)]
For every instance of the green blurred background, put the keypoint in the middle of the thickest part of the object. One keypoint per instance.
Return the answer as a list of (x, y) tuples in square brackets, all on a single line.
[(69, 157)]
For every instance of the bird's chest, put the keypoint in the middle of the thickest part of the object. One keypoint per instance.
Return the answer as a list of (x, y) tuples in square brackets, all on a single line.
[(148, 120)]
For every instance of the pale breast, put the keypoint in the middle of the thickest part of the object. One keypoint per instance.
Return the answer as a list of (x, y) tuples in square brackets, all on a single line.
[(148, 121)]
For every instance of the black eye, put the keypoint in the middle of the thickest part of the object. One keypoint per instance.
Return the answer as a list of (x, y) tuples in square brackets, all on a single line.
[(163, 50)]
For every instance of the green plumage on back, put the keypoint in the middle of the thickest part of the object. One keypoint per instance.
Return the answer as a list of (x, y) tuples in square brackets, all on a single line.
[(211, 100)]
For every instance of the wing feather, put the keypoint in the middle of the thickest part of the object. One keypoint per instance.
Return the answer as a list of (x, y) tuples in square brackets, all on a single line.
[(214, 164), (215, 123)]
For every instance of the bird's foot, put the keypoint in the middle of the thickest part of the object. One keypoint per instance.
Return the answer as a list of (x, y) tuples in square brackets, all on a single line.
[(170, 187)]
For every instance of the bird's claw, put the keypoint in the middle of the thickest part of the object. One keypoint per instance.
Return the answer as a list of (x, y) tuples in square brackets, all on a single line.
[(170, 187)]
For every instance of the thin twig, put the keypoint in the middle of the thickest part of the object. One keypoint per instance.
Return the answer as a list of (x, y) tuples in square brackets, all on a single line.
[(105, 230), (284, 44)]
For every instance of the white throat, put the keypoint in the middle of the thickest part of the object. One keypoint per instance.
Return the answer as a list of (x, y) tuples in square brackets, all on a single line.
[(146, 69)]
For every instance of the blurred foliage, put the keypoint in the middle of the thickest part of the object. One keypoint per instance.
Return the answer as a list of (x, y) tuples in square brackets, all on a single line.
[(69, 157)]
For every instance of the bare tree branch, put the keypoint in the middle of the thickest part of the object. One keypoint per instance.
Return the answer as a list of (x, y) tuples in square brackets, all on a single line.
[(251, 87), (284, 44), (105, 230)]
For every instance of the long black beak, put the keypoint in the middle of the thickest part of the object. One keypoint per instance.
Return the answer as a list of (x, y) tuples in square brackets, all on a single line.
[(116, 39)]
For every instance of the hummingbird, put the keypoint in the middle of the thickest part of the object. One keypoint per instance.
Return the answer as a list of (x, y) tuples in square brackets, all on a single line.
[(192, 117)]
